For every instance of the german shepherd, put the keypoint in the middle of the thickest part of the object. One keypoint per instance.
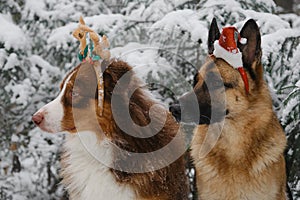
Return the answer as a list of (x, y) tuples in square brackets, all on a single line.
[(238, 154)]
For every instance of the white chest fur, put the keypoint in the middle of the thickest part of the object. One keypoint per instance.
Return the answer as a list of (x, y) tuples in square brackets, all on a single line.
[(84, 174)]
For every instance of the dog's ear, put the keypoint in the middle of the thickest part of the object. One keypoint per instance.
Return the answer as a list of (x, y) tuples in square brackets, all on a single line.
[(251, 50), (81, 21), (213, 35)]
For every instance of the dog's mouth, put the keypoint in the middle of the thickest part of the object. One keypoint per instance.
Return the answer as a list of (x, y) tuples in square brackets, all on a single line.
[(204, 117), (48, 130), (188, 116), (71, 130)]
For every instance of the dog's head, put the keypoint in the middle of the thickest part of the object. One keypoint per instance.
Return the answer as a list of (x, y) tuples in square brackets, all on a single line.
[(126, 103), (219, 87), (77, 101), (76, 108)]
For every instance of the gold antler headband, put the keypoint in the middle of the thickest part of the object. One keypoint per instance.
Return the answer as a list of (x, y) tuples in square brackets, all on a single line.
[(93, 53)]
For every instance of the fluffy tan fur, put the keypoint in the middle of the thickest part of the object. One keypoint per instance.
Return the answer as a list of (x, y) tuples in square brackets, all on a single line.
[(244, 162), (247, 160)]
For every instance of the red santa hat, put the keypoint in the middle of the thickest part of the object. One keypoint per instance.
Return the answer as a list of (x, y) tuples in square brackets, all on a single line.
[(226, 48)]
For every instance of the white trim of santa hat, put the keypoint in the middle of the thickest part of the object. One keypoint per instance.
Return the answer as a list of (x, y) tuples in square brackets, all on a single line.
[(226, 48), (234, 59)]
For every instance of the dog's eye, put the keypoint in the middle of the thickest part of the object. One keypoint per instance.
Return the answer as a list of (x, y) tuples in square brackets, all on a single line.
[(228, 85), (73, 93)]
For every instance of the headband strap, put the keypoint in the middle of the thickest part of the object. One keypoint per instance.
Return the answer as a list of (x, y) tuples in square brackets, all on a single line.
[(93, 49)]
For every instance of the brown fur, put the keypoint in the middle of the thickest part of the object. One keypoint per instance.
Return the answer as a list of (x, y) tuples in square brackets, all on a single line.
[(168, 183), (246, 161)]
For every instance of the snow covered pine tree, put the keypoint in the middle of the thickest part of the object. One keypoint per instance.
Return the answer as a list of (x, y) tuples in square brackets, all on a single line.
[(36, 47)]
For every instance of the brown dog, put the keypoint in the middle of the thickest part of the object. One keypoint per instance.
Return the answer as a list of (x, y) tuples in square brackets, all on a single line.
[(238, 145), (98, 148)]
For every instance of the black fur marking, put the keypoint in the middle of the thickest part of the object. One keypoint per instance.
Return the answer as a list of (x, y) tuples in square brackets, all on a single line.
[(213, 35)]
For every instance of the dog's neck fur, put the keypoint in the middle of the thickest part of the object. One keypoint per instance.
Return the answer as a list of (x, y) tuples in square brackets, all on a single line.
[(86, 176), (247, 149), (235, 132)]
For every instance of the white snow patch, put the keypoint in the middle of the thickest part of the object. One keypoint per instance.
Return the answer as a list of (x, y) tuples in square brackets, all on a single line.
[(290, 152), (12, 61), (273, 42), (182, 20), (11, 35), (298, 84), (36, 7), (60, 36), (3, 56), (21, 92), (44, 71), (213, 3), (144, 59), (14, 138), (106, 23)]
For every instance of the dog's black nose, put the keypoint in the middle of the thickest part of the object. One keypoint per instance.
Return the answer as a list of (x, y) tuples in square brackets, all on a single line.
[(176, 111)]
